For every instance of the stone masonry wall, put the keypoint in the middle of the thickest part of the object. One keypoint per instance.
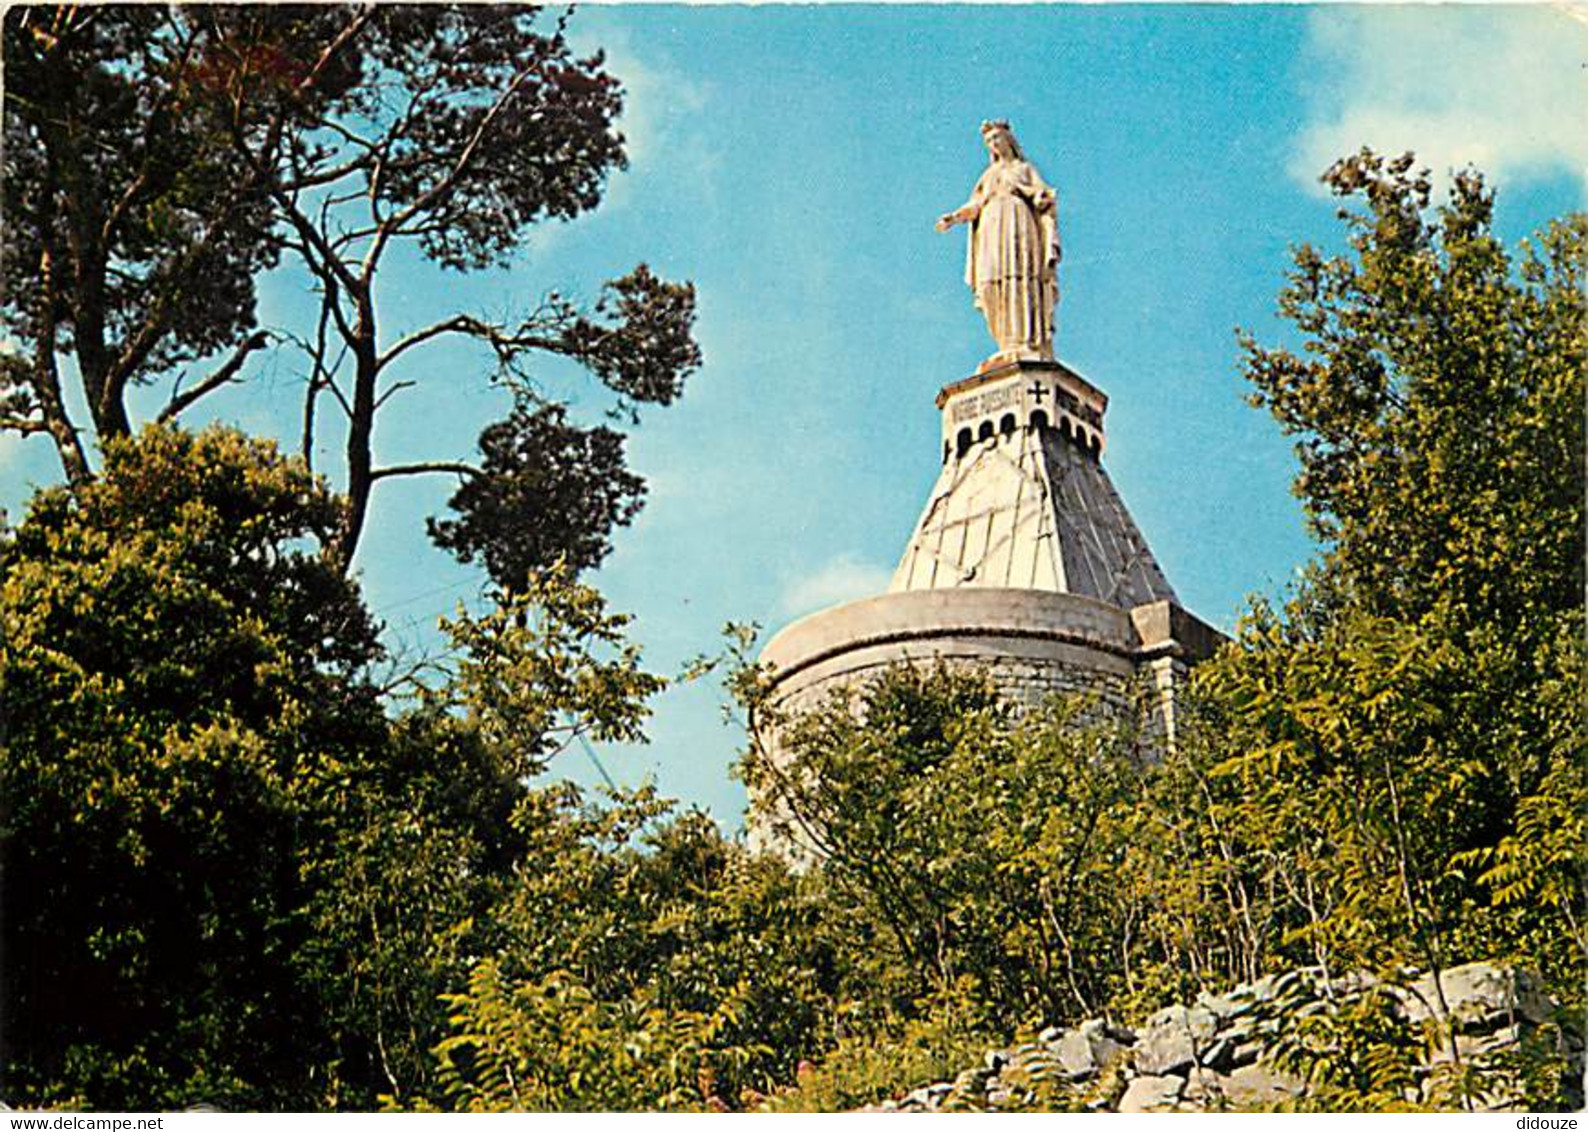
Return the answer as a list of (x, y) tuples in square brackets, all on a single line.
[(1033, 645), (1026, 682), (1240, 1050)]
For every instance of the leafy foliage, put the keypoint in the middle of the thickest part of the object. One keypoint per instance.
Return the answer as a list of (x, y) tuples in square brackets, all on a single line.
[(551, 1045), (975, 844), (133, 236), (1415, 699), (665, 923), (864, 1069), (247, 885), (252, 878), (184, 689), (159, 158), (550, 492), (1436, 401)]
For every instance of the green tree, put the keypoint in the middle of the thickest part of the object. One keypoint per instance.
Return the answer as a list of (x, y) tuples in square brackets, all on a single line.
[(967, 845), (428, 844), (551, 1045), (132, 239), (1400, 740), (628, 919), (1436, 404), (158, 158), (184, 688), (229, 876), (550, 492)]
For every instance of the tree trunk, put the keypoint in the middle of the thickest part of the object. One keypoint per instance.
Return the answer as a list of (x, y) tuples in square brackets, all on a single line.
[(361, 429)]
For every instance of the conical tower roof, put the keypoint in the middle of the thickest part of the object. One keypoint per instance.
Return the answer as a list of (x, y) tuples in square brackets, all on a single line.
[(1023, 500)]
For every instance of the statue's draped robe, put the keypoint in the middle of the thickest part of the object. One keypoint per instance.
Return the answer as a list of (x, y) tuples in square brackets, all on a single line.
[(1012, 256)]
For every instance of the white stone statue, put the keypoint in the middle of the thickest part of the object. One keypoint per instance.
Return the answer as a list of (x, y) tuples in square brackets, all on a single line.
[(1012, 257)]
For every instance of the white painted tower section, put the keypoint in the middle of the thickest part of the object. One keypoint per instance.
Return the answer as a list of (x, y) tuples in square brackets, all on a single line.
[(1025, 564), (1023, 501)]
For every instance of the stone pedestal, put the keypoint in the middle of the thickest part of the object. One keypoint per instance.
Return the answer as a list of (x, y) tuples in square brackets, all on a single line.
[(1025, 563)]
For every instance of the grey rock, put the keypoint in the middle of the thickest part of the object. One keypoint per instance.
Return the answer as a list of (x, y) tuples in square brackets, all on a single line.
[(1473, 1046), (926, 1098), (1220, 1006), (1263, 989), (1238, 1029), (917, 1098), (1299, 983), (1474, 991), (1172, 1038), (971, 1084), (1151, 1094), (1027, 1053), (1197, 1019), (1353, 983), (1105, 1051), (1203, 1089), (1095, 1028), (1124, 1035), (1210, 1055), (1164, 1017), (1074, 1051), (1164, 1049), (1236, 1001), (1245, 1053), (1260, 1084)]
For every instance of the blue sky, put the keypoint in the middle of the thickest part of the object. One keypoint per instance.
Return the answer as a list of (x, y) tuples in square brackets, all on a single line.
[(791, 161)]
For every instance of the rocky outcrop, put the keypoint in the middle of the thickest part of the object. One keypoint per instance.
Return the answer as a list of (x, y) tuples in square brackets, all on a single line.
[(1271, 1042)]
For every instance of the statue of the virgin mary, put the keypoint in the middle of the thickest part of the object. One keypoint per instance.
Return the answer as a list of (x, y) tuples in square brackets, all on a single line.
[(1012, 256)]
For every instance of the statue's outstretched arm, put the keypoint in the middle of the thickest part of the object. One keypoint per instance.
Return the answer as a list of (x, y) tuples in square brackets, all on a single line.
[(964, 214), (967, 212)]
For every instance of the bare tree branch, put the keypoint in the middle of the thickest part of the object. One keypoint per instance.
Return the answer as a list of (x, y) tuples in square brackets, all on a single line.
[(317, 379), (445, 466), (366, 12), (228, 371), (46, 378), (395, 387), (124, 202), (426, 199), (457, 324), (504, 342)]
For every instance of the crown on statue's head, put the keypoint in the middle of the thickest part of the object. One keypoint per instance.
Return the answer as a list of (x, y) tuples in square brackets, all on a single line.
[(995, 126)]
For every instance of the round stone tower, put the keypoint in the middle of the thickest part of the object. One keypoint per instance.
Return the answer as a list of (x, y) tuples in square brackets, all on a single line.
[(1025, 563)]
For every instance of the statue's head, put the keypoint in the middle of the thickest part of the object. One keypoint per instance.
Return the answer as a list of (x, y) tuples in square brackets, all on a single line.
[(1000, 139)]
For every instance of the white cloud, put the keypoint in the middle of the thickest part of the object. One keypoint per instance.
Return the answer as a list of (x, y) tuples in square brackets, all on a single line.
[(662, 107), (1504, 88), (843, 578)]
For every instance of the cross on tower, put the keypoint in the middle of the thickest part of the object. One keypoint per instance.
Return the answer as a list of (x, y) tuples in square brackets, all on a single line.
[(1037, 392)]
